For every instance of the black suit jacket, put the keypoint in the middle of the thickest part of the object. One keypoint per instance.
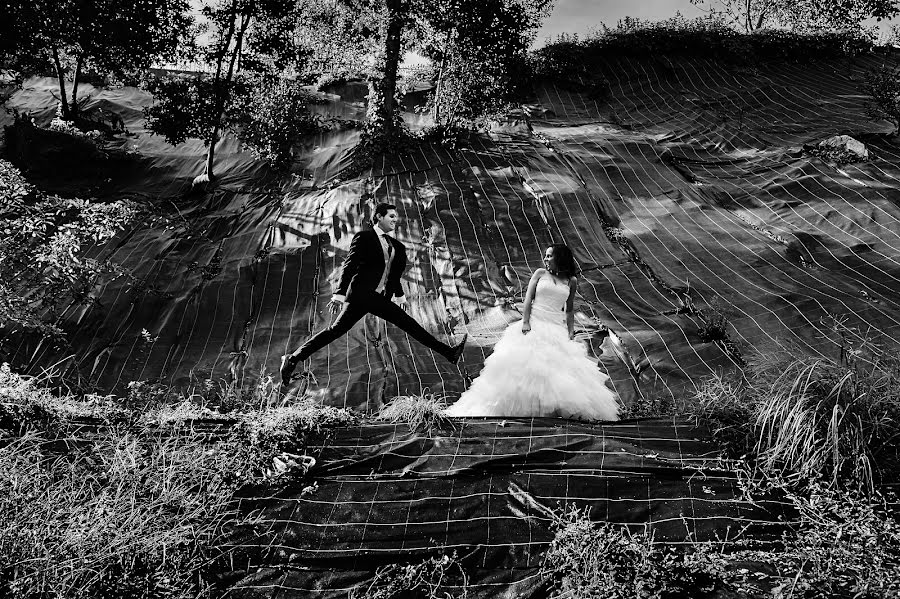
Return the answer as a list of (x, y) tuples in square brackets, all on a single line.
[(364, 265)]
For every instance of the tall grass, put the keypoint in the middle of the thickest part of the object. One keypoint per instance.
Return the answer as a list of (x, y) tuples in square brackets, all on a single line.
[(812, 417), (119, 517), (135, 508), (424, 413)]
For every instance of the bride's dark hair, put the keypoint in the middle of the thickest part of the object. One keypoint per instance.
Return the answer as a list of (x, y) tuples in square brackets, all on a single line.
[(565, 261)]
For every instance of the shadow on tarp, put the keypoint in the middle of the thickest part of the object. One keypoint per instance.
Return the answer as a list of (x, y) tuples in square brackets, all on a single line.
[(487, 491)]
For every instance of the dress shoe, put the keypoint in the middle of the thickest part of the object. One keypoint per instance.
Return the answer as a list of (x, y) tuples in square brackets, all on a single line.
[(288, 364), (457, 352)]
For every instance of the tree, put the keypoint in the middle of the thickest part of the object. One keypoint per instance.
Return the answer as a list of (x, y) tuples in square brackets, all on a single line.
[(799, 15), (487, 33), (476, 46), (115, 37), (245, 40)]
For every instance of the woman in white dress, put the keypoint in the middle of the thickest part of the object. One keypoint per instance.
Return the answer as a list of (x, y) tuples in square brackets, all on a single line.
[(537, 368)]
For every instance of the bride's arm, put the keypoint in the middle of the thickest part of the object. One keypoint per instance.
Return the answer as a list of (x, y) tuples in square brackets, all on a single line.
[(529, 298), (570, 307)]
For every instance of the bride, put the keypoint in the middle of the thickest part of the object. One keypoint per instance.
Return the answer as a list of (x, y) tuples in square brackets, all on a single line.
[(537, 368)]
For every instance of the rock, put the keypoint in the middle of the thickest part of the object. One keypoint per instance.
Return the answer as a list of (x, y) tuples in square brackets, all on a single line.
[(845, 145)]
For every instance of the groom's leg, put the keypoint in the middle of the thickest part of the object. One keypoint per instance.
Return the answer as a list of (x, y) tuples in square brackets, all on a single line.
[(349, 316), (391, 312)]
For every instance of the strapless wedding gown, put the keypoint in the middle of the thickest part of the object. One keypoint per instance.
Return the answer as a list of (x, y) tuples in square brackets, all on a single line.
[(542, 373)]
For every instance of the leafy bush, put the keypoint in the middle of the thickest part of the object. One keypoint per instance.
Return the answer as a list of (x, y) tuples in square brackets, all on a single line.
[(884, 86), (41, 242), (278, 117), (809, 417)]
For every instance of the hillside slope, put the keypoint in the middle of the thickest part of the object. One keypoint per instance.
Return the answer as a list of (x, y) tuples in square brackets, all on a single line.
[(690, 182)]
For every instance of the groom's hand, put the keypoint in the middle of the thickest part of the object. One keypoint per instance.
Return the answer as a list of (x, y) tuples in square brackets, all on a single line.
[(335, 305)]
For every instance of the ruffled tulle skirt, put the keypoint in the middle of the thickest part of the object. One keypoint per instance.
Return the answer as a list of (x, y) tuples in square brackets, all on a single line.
[(542, 373)]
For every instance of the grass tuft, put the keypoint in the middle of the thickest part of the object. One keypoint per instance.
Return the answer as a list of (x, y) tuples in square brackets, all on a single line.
[(811, 417), (423, 413)]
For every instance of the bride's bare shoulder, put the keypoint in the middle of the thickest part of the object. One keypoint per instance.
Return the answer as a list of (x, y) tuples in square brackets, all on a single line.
[(539, 273)]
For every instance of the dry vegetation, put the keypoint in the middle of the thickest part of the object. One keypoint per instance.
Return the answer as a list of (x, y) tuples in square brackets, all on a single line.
[(133, 504)]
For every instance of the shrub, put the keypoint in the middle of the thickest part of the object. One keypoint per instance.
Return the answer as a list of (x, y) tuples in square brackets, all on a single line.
[(847, 546), (42, 238), (278, 117), (579, 62), (843, 545), (883, 85)]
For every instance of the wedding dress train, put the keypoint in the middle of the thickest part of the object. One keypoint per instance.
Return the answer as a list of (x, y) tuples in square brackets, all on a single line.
[(541, 373)]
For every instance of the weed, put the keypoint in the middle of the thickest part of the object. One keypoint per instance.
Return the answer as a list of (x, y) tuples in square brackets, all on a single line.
[(120, 517), (594, 560), (431, 578)]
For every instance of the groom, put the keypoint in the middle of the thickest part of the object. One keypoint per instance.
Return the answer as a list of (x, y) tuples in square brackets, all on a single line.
[(370, 277)]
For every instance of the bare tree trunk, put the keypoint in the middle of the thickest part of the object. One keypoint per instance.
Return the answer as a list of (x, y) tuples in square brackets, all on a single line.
[(209, 174), (61, 75), (388, 83), (74, 110)]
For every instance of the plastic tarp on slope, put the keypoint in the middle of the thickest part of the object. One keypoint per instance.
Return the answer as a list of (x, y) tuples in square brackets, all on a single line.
[(487, 493), (699, 165)]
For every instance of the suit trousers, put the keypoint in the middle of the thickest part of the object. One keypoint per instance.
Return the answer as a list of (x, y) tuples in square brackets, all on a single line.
[(379, 305)]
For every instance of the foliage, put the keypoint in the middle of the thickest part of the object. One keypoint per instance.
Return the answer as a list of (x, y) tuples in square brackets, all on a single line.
[(883, 85), (423, 413), (591, 560), (278, 117), (428, 579), (42, 238), (713, 324), (477, 48), (812, 417), (240, 44), (580, 62), (799, 15), (185, 106), (337, 39), (129, 511), (108, 36)]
